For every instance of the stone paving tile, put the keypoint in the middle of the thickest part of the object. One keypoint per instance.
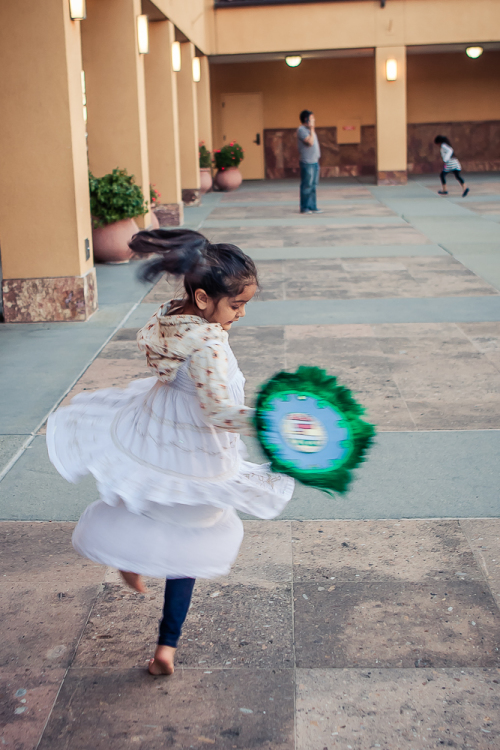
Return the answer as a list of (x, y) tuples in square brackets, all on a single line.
[(483, 535), (485, 207), (373, 208), (27, 697), (384, 625), (477, 188), (265, 556), (354, 355), (260, 353), (9, 445), (292, 193), (318, 235), (397, 708), (369, 278), (228, 625), (165, 289), (127, 709), (32, 552), (105, 372), (413, 551), (42, 622)]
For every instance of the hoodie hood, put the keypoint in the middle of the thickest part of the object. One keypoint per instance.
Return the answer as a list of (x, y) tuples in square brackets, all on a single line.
[(169, 340)]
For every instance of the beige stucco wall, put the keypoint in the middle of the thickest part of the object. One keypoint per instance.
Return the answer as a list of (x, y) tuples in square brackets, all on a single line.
[(195, 18), (452, 88), (343, 25)]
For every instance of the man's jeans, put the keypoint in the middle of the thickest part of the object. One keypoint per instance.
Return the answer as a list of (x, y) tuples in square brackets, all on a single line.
[(309, 178)]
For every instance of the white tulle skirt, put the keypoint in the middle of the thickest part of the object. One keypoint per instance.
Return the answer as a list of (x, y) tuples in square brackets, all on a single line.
[(170, 485)]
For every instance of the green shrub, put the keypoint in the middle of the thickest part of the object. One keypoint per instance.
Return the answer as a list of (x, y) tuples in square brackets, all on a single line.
[(114, 197), (228, 156), (205, 156)]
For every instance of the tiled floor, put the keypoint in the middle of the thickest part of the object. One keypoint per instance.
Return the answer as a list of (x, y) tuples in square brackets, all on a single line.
[(347, 621), (353, 634)]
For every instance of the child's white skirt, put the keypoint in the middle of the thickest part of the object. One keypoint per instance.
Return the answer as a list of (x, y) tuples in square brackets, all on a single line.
[(170, 484)]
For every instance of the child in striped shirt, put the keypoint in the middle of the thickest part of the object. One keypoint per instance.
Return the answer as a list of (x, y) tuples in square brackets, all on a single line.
[(451, 164)]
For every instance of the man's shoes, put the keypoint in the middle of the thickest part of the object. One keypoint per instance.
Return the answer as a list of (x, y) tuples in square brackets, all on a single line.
[(316, 211), (306, 212)]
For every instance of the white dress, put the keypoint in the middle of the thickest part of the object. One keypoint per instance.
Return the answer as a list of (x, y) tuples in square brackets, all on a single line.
[(167, 459)]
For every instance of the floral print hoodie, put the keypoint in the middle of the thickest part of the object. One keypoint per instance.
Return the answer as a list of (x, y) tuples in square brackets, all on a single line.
[(168, 341)]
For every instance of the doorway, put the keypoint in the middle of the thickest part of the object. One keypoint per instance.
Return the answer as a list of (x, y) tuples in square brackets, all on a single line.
[(243, 122)]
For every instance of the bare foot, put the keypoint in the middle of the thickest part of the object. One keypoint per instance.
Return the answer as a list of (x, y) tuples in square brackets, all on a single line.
[(163, 661), (134, 580)]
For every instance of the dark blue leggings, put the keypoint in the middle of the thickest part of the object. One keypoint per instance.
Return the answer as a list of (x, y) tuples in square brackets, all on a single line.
[(457, 174), (178, 593)]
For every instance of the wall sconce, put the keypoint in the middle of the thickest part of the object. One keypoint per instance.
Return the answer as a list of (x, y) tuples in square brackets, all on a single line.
[(391, 70), (142, 35), (77, 10), (176, 56), (474, 52), (293, 60), (196, 69)]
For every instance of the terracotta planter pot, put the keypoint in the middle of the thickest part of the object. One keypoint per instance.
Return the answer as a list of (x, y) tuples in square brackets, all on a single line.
[(111, 241), (205, 179), (155, 224), (228, 179)]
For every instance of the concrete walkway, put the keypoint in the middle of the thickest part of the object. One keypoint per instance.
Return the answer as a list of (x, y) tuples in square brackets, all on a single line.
[(367, 621)]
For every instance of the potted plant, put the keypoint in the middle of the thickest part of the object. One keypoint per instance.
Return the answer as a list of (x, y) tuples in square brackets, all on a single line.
[(154, 200), (205, 168), (115, 200), (227, 160)]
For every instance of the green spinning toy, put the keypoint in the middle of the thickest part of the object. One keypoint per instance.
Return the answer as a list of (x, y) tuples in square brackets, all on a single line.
[(310, 428)]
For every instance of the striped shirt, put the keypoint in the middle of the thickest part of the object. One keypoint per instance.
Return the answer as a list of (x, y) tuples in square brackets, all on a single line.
[(451, 163)]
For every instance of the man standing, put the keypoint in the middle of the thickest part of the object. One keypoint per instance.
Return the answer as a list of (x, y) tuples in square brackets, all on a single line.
[(309, 153)]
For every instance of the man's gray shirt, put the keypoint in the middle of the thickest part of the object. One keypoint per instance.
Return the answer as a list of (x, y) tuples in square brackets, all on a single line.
[(307, 154)]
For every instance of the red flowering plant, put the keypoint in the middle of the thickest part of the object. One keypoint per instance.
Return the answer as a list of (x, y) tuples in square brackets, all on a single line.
[(154, 196), (228, 156)]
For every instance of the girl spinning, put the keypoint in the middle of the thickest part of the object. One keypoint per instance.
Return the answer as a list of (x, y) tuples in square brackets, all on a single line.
[(165, 451)]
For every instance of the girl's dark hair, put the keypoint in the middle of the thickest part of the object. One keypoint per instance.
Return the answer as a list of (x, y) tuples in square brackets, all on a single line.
[(220, 270), (439, 139)]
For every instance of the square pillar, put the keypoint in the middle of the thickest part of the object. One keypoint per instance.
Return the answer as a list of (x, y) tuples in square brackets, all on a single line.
[(116, 91), (163, 123), (391, 117), (204, 104), (46, 234), (188, 127)]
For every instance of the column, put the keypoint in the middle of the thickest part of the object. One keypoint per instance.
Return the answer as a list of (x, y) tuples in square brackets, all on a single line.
[(391, 117), (204, 104), (188, 127), (163, 123), (46, 235), (116, 97)]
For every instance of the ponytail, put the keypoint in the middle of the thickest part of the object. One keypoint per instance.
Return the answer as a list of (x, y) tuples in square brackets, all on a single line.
[(221, 270)]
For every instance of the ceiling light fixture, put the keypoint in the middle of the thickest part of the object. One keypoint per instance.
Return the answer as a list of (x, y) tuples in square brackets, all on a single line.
[(293, 60), (474, 52)]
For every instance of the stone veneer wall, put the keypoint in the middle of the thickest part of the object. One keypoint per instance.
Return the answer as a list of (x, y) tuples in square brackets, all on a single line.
[(477, 145), (282, 155)]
